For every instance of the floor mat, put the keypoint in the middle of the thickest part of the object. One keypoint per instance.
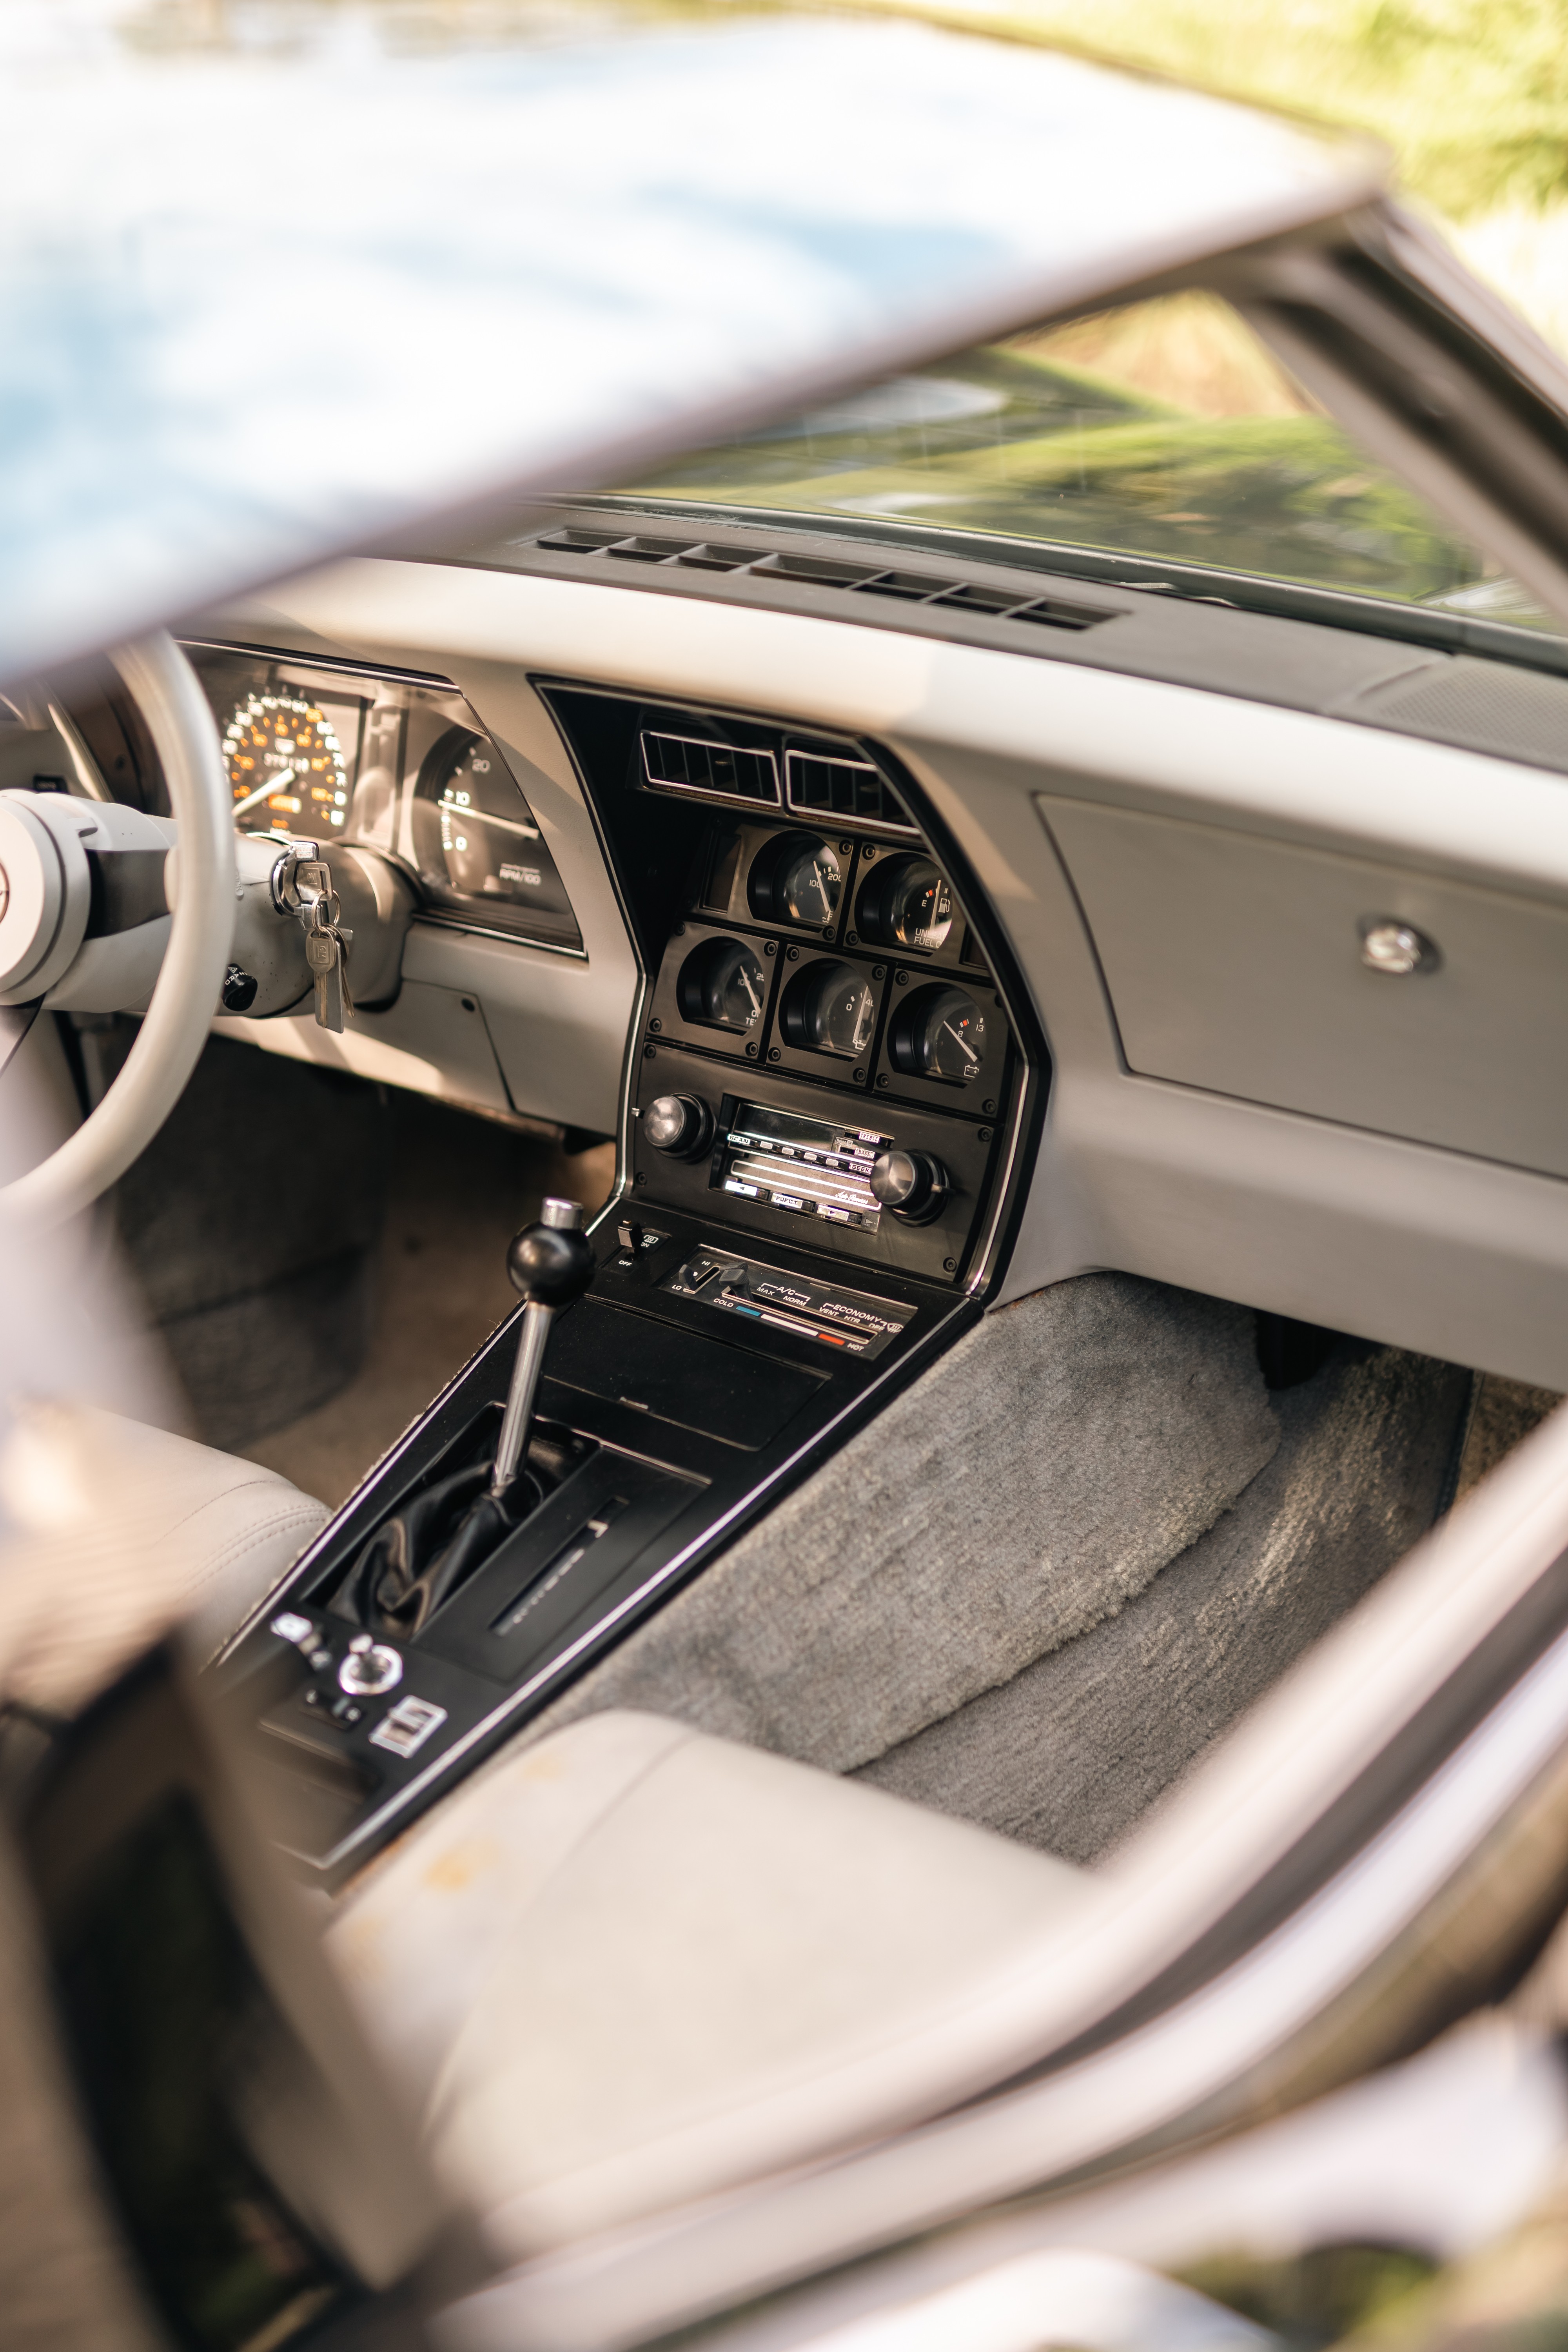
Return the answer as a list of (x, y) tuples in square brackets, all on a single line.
[(1070, 1752)]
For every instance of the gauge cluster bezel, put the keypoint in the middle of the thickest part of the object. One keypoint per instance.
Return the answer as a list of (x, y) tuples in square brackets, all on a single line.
[(723, 896), (392, 725)]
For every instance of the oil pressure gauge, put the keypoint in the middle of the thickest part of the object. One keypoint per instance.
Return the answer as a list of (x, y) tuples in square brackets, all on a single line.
[(798, 878)]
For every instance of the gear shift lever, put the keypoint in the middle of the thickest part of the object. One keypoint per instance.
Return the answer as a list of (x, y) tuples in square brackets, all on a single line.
[(550, 1264), (417, 1558)]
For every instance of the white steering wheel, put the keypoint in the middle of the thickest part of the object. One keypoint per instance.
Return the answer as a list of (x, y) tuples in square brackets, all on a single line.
[(174, 1028)]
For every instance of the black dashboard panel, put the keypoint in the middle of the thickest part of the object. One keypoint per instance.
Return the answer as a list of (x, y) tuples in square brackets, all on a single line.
[(813, 1204), (819, 967), (396, 763)]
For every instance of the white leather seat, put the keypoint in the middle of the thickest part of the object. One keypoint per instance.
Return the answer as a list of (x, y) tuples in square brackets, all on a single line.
[(115, 1531), (634, 1964)]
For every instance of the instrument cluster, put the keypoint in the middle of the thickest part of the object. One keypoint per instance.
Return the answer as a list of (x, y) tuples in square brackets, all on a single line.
[(832, 954), (394, 763)]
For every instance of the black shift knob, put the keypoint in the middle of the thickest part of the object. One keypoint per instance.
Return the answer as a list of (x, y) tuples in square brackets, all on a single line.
[(552, 1263)]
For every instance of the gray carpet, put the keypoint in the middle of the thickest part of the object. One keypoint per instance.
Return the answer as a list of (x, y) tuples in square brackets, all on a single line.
[(248, 1225), (1069, 1753), (1024, 1488), (1503, 1411)]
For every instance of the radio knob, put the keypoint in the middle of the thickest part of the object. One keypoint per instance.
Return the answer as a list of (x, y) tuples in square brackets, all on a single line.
[(679, 1125), (911, 1184)]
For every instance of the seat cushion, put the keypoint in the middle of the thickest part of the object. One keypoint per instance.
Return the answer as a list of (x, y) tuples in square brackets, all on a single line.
[(636, 1964), (113, 1531)]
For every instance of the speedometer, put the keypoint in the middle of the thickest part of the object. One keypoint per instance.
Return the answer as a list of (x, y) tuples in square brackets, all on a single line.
[(286, 767)]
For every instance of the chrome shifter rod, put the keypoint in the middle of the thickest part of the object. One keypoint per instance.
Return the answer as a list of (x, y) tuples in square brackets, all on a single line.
[(550, 1264)]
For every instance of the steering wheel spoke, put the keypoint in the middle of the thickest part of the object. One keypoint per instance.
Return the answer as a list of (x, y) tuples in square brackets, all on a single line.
[(189, 984)]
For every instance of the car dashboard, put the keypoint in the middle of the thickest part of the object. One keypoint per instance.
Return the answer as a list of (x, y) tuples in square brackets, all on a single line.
[(832, 1085), (912, 972)]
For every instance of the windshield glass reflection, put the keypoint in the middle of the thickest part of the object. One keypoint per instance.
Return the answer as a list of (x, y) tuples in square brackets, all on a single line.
[(1164, 430)]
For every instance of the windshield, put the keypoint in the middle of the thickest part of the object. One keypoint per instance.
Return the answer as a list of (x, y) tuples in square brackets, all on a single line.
[(1164, 430)]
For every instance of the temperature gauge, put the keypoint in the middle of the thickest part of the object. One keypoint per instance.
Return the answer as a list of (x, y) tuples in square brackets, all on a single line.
[(722, 986)]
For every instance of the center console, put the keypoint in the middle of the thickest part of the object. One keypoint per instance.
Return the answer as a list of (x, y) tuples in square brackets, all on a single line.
[(830, 1094)]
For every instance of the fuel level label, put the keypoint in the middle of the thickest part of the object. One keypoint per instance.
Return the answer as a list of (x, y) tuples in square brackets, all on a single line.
[(853, 1321)]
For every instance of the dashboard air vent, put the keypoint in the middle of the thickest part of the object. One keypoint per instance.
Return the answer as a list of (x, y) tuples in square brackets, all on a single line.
[(695, 763), (868, 579), (843, 787)]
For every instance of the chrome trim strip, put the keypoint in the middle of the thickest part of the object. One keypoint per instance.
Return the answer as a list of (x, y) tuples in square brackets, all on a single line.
[(443, 921), (428, 677)]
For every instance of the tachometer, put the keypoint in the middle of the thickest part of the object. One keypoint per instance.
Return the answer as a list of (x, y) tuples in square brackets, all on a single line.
[(484, 841), (286, 767)]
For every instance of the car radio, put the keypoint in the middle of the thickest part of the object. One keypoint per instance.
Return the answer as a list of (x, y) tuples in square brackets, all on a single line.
[(807, 1167)]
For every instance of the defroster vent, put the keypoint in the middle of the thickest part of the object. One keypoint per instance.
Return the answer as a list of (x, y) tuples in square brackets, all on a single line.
[(989, 600)]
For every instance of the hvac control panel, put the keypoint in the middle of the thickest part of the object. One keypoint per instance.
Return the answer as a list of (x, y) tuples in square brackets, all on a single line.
[(771, 1295)]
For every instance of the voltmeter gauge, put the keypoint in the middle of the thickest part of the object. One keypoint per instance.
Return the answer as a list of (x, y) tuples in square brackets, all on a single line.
[(939, 1034)]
